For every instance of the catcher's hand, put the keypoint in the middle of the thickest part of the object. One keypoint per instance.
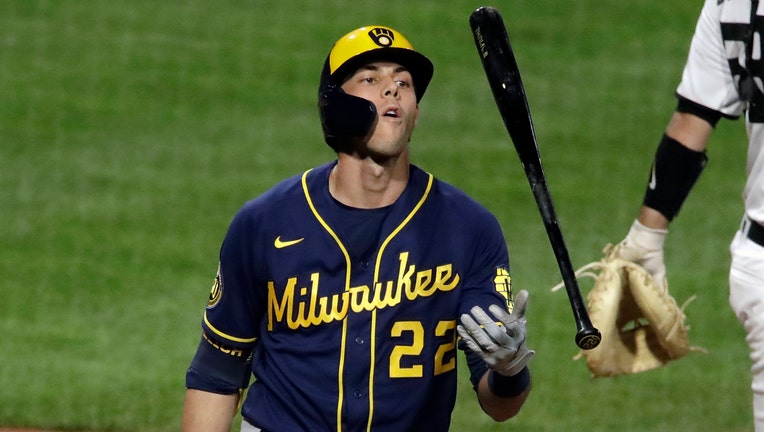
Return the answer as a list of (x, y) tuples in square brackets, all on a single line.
[(642, 326), (501, 344), (644, 247)]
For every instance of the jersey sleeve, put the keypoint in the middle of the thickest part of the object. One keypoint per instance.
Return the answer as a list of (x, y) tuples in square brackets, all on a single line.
[(234, 309), (222, 361), (488, 282), (707, 78)]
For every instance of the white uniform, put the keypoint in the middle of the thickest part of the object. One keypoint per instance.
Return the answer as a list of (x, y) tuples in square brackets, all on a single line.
[(717, 57)]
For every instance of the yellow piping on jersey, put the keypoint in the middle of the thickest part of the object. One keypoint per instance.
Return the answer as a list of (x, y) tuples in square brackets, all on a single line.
[(340, 398), (225, 335), (400, 227), (376, 279), (341, 367), (326, 226)]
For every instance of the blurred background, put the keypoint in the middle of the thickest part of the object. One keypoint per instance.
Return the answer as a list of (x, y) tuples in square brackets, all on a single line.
[(131, 132)]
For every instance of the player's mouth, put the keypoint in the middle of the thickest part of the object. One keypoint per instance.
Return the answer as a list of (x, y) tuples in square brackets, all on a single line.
[(391, 112)]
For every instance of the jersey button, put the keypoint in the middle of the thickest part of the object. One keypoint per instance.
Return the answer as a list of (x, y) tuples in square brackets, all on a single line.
[(365, 264), (359, 340), (357, 394)]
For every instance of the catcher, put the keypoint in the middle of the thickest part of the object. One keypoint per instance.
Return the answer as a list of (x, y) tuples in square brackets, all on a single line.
[(721, 79)]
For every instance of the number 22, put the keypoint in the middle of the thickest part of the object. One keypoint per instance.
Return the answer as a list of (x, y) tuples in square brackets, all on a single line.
[(417, 344)]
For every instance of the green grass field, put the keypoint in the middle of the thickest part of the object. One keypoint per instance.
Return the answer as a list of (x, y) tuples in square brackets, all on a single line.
[(130, 133)]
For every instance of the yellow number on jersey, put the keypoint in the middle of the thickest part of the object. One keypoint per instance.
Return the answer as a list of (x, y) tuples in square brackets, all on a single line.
[(444, 360), (417, 342), (447, 349)]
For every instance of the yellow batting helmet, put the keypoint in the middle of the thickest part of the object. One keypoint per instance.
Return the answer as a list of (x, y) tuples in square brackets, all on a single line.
[(372, 43)]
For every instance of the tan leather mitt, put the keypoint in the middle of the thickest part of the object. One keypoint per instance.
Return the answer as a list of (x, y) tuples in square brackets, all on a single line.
[(642, 326)]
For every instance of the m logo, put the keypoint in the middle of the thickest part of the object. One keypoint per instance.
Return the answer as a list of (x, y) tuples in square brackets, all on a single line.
[(382, 36)]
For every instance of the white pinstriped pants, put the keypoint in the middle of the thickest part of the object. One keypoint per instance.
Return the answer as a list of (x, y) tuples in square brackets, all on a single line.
[(747, 301)]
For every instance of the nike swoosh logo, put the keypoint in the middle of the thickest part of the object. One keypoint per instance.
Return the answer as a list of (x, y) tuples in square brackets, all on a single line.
[(653, 180), (282, 243)]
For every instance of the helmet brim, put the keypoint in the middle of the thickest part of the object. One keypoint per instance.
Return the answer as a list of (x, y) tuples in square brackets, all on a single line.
[(420, 67)]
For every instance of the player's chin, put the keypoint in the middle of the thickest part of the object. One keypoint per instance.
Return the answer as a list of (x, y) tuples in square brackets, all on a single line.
[(387, 146)]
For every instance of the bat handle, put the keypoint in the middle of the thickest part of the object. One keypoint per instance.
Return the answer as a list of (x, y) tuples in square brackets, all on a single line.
[(587, 336)]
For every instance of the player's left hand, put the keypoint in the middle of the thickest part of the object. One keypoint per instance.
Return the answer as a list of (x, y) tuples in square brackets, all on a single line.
[(501, 344)]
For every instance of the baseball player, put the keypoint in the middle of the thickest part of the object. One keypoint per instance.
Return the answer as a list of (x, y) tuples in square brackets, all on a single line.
[(722, 78), (344, 290)]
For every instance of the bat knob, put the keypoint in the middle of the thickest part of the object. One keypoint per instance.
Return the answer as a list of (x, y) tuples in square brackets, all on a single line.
[(588, 338)]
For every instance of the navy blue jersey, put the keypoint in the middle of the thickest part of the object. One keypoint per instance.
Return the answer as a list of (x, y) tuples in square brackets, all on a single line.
[(352, 313)]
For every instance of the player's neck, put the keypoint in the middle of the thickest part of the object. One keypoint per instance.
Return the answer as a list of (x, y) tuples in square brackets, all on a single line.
[(364, 183)]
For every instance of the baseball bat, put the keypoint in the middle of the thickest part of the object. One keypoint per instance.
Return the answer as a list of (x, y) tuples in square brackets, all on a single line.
[(500, 66)]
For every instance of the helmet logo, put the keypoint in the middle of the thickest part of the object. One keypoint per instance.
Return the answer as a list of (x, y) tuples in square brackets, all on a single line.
[(382, 36)]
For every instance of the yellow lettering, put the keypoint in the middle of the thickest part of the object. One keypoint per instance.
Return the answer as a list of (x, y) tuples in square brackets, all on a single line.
[(442, 276), (423, 280), (313, 317), (404, 277), (359, 299), (387, 297), (339, 307), (305, 307), (276, 310), (226, 350)]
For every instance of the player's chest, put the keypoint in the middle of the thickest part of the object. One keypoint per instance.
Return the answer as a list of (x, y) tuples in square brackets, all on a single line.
[(396, 268)]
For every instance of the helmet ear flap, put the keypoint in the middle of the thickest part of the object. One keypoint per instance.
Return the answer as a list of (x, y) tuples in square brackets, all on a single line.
[(343, 116)]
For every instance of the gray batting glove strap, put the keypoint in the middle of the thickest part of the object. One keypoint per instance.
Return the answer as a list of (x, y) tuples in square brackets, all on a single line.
[(500, 340)]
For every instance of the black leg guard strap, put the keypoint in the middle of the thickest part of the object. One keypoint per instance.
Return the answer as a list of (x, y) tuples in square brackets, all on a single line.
[(675, 170)]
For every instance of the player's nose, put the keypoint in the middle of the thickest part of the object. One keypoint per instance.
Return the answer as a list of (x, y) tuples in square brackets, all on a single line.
[(391, 88)]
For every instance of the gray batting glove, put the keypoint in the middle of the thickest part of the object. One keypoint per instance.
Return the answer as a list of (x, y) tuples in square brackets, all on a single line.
[(501, 344), (644, 246)]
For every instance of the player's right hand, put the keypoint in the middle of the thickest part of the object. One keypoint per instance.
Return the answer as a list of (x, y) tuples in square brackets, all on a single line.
[(501, 344), (644, 246)]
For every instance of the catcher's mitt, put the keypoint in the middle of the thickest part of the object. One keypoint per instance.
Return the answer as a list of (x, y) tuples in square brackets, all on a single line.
[(642, 327)]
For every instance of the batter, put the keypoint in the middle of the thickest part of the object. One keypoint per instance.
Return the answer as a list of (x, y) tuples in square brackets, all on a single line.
[(344, 290)]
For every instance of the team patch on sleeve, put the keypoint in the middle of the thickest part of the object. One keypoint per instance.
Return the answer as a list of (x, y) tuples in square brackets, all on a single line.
[(217, 290), (503, 284)]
